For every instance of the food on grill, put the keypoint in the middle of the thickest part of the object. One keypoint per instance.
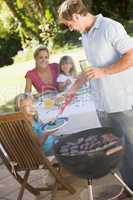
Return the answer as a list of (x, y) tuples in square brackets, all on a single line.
[(85, 145)]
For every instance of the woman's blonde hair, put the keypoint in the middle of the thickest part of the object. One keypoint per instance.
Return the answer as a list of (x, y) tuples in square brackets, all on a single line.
[(67, 60), (19, 98), (69, 7), (38, 49)]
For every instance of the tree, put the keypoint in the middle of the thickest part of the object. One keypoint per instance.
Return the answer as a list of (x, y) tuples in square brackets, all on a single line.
[(114, 9), (10, 41), (38, 18), (8, 49), (28, 18)]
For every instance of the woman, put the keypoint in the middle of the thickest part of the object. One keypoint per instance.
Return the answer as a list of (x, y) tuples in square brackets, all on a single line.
[(43, 76)]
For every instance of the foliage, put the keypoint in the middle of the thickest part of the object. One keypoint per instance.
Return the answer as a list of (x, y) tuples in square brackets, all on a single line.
[(114, 9), (48, 28), (34, 14), (63, 36), (3, 30), (10, 43), (28, 18), (9, 47), (37, 20)]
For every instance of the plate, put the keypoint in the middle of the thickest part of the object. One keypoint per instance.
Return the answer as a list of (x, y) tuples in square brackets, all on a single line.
[(60, 122)]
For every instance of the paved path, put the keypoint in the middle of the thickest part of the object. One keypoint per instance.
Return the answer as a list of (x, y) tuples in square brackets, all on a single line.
[(104, 188)]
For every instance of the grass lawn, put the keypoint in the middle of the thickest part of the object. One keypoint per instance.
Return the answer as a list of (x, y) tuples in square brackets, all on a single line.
[(12, 81)]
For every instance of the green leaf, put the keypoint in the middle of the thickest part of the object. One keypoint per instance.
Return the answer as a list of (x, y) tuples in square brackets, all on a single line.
[(19, 4), (48, 14)]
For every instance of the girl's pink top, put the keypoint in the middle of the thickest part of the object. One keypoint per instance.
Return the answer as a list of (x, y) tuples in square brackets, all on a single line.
[(38, 83)]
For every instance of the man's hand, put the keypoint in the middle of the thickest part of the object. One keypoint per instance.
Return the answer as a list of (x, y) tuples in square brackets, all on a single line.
[(88, 74), (94, 73)]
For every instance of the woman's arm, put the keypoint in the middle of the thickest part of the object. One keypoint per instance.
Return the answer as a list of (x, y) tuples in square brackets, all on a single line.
[(28, 85)]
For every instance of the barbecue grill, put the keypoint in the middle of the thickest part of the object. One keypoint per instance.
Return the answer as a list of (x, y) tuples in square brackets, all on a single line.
[(94, 163)]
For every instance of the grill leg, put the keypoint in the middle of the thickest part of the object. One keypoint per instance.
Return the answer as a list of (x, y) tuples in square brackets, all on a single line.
[(122, 182), (90, 189)]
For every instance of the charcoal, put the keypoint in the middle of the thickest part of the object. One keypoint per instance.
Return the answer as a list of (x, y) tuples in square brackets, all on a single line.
[(65, 146), (80, 140), (82, 146), (82, 152), (88, 144), (74, 147), (65, 154), (73, 154), (74, 151), (95, 145), (89, 138), (107, 138), (70, 143), (86, 148), (64, 151)]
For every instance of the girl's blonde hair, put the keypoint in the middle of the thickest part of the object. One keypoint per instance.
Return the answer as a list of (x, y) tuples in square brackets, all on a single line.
[(67, 60), (38, 49), (19, 98)]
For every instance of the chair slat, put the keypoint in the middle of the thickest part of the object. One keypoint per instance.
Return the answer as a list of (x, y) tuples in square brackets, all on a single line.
[(18, 141), (5, 142)]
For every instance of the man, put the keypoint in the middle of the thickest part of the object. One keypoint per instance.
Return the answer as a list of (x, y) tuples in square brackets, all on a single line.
[(109, 49)]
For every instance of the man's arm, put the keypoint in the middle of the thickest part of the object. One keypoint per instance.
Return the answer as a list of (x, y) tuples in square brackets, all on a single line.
[(81, 79), (124, 63), (93, 73)]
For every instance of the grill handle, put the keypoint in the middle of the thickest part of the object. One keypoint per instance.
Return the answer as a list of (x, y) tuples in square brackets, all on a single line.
[(114, 150)]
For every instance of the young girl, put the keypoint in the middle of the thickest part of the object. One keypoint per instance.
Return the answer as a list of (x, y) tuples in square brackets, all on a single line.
[(66, 76), (24, 103)]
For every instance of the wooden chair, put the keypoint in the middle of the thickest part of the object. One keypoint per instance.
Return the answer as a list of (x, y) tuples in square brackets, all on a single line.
[(24, 154)]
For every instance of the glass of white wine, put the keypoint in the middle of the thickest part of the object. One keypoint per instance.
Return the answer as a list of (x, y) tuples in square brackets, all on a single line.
[(84, 65)]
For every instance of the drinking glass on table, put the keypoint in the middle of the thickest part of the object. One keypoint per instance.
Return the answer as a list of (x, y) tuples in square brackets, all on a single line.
[(48, 103)]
